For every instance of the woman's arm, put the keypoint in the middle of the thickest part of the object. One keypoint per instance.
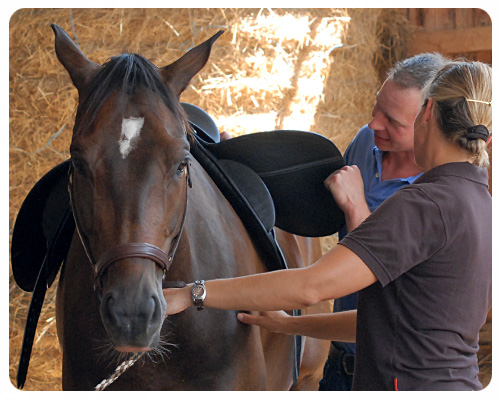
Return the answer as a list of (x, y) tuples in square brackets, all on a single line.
[(338, 273), (340, 326)]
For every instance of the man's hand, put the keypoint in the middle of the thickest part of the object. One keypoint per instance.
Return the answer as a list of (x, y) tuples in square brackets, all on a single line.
[(274, 321), (346, 185), (224, 135)]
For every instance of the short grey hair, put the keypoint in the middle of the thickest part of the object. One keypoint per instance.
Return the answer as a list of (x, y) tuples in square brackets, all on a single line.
[(416, 71)]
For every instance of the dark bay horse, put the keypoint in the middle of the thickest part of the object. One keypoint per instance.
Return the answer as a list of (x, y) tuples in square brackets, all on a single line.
[(146, 212)]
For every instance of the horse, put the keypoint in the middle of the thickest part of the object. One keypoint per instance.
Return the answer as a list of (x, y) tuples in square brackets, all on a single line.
[(147, 215)]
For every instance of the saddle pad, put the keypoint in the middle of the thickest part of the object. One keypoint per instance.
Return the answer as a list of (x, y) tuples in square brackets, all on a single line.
[(293, 165), (37, 228)]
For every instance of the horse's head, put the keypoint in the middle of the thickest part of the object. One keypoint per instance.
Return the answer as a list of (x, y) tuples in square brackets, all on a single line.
[(128, 185)]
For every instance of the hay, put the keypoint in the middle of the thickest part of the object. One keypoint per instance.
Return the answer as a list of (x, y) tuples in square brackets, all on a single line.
[(256, 79), (312, 69)]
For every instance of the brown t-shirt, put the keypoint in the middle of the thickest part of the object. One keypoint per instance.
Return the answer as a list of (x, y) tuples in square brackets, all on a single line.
[(430, 246)]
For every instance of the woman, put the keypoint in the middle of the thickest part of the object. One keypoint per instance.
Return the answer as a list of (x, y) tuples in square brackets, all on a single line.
[(421, 261)]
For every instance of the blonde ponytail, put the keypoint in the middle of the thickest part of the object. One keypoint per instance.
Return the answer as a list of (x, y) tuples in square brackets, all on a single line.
[(462, 93)]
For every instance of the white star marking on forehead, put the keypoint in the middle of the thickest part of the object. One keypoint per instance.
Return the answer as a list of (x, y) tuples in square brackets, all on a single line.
[(131, 129)]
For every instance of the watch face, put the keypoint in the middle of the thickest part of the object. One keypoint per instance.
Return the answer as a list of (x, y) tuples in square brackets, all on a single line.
[(198, 291)]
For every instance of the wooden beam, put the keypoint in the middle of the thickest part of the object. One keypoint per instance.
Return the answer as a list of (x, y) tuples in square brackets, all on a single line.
[(453, 41)]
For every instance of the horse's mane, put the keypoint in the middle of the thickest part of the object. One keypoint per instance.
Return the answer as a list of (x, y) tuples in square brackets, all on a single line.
[(125, 73)]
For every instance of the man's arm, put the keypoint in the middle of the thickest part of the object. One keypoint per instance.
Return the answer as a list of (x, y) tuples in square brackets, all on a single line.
[(346, 185)]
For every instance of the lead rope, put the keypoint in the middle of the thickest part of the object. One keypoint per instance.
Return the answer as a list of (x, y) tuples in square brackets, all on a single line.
[(118, 372)]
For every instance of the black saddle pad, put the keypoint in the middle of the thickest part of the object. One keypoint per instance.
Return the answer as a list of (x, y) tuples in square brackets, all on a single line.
[(249, 197), (37, 227), (293, 165)]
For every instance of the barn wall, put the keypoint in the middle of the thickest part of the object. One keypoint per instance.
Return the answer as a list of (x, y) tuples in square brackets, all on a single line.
[(453, 32)]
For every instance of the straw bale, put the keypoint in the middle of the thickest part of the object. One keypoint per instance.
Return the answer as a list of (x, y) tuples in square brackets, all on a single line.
[(259, 66), (263, 74)]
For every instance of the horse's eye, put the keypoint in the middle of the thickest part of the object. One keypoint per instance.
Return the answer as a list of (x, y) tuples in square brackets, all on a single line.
[(182, 167), (79, 165)]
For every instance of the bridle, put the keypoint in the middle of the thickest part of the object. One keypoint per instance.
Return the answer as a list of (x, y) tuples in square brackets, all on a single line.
[(131, 250)]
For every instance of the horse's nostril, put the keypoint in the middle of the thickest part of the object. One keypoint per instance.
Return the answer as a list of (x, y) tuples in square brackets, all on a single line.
[(107, 308), (108, 301), (155, 310)]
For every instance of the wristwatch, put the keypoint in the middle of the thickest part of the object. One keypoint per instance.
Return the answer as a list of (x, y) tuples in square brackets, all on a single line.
[(198, 294)]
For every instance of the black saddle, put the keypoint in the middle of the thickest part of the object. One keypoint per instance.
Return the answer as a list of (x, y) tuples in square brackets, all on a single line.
[(292, 165), (271, 179)]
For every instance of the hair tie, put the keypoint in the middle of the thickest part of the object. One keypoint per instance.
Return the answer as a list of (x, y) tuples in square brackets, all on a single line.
[(477, 132)]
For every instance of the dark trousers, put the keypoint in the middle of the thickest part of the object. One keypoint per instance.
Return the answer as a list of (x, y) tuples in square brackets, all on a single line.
[(338, 371)]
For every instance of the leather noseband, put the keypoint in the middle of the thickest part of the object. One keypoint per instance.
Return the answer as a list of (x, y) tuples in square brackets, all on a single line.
[(143, 250)]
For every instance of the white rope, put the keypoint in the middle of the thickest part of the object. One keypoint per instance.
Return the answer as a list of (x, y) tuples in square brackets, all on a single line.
[(118, 371)]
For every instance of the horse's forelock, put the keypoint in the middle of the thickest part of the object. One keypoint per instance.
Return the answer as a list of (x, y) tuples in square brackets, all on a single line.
[(126, 73)]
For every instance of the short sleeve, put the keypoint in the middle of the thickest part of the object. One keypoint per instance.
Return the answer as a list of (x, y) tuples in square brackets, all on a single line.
[(404, 231), (359, 145)]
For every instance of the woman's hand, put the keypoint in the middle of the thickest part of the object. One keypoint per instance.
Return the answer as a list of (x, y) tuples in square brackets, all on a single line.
[(274, 321), (177, 299), (340, 326)]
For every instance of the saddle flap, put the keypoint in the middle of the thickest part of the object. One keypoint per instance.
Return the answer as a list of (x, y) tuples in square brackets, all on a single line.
[(253, 190), (248, 196)]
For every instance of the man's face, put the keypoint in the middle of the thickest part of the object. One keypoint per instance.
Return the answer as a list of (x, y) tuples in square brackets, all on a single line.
[(393, 116)]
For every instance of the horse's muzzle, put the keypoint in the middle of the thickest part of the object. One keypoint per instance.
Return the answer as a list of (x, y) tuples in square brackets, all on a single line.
[(133, 314)]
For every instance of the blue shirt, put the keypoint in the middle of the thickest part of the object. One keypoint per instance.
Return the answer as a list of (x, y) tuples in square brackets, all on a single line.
[(363, 153)]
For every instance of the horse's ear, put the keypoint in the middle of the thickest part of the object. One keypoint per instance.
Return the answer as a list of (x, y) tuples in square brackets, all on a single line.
[(80, 68), (178, 74)]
